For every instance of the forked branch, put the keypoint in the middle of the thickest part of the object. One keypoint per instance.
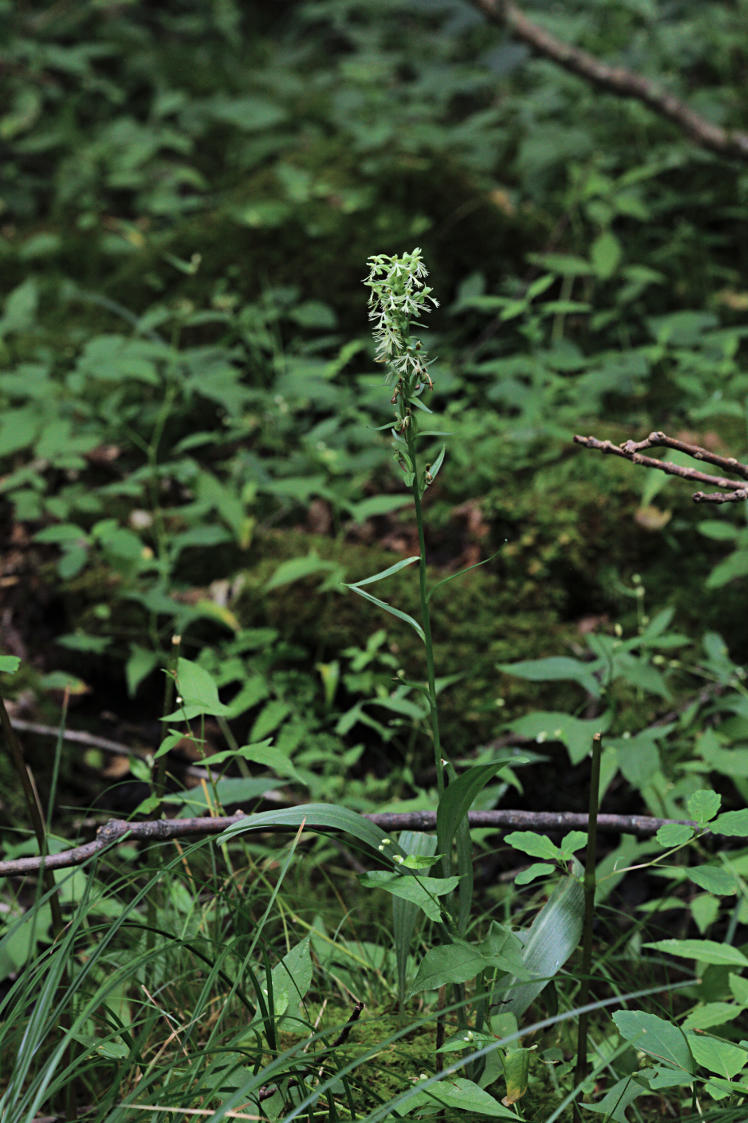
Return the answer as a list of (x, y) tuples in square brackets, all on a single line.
[(616, 80), (733, 490)]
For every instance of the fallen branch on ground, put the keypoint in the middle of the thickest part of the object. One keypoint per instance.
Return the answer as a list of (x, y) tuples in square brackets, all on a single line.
[(631, 450), (162, 830)]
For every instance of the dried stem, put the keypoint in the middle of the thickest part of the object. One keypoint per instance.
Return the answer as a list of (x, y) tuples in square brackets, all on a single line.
[(631, 450)]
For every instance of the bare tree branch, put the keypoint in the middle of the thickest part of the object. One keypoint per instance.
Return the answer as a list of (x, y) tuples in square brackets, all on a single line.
[(631, 450), (161, 830), (616, 80)]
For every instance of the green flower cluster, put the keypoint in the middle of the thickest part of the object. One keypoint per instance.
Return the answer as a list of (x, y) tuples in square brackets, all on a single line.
[(399, 296)]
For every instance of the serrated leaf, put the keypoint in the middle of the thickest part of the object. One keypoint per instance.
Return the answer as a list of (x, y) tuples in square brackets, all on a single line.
[(734, 824), (534, 844), (704, 951), (674, 834), (703, 805), (714, 879), (655, 1036)]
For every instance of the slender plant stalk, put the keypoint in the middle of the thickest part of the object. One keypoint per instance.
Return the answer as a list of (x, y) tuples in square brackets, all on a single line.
[(590, 885), (439, 761)]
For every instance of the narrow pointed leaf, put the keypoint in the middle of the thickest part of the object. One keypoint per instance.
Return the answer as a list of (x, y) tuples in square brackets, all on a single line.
[(322, 816), (459, 796), (384, 573), (392, 611)]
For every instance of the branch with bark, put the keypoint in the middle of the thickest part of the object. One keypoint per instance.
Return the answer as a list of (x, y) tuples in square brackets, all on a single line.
[(730, 143), (162, 830), (632, 450)]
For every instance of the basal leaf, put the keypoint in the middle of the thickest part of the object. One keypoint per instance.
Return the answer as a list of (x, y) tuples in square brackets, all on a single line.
[(553, 936)]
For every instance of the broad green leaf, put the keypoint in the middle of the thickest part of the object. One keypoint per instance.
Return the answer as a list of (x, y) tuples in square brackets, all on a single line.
[(704, 910), (704, 951), (238, 790), (573, 841), (198, 693), (553, 936), (140, 664), (703, 805), (556, 668), (674, 834), (420, 891), (272, 714), (537, 869), (714, 879), (655, 1036), (721, 1057), (460, 1095), (459, 962), (534, 844), (392, 611), (720, 531), (731, 823), (292, 978), (458, 797), (296, 569), (377, 505), (9, 664), (573, 732), (739, 988), (605, 254), (712, 1014), (169, 742), (516, 1064), (318, 816)]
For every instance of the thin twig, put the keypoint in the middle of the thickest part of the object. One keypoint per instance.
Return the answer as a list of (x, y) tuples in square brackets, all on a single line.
[(731, 143), (162, 830), (631, 450)]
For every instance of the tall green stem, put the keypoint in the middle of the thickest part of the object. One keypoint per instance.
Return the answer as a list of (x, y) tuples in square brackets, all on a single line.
[(426, 615), (589, 910)]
